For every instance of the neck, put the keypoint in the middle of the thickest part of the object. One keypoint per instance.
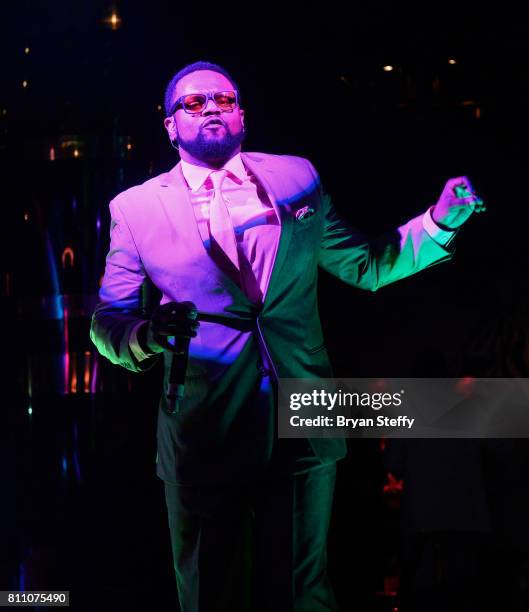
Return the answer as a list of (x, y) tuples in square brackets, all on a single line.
[(210, 163)]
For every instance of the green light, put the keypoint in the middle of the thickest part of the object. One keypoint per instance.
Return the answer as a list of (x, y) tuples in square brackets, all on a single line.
[(30, 410), (478, 204)]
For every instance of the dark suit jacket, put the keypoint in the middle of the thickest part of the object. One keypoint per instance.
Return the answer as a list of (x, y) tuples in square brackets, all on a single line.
[(226, 426)]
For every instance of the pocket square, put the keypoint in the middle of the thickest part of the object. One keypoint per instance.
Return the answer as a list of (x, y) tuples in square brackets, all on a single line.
[(304, 213)]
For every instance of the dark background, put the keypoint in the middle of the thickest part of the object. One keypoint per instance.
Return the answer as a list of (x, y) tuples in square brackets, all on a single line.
[(84, 510)]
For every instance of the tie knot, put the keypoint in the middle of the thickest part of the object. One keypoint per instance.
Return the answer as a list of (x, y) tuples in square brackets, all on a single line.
[(217, 176)]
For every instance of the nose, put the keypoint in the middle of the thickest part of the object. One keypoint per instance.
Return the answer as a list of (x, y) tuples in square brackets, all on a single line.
[(211, 108)]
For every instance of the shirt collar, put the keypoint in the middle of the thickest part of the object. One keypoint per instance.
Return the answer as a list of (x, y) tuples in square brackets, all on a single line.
[(196, 175)]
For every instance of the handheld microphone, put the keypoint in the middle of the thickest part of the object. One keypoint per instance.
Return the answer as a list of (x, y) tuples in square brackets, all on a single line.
[(177, 376), (177, 373)]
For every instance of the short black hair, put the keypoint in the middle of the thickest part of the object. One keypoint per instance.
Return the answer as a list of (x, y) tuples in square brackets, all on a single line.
[(169, 90)]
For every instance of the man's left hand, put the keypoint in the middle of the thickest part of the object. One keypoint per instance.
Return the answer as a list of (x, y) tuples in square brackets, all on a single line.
[(457, 202)]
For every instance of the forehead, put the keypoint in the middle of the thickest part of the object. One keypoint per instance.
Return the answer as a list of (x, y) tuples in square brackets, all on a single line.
[(201, 81)]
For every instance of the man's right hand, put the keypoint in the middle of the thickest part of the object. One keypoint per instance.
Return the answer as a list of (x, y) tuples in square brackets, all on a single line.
[(174, 319)]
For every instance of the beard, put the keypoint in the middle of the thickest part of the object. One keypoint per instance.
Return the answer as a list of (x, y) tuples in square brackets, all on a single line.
[(212, 149)]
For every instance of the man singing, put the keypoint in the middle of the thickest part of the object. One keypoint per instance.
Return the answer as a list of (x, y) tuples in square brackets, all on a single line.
[(234, 240)]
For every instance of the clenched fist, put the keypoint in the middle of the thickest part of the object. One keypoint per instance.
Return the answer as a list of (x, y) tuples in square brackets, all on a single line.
[(457, 202), (174, 319)]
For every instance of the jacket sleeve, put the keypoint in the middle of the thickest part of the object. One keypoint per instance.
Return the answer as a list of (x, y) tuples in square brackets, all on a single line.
[(370, 264), (119, 309)]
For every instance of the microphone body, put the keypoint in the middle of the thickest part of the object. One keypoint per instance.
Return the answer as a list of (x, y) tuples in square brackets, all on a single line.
[(177, 376), (171, 327)]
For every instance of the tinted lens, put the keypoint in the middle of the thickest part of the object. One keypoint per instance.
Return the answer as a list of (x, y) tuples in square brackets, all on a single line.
[(194, 103), (225, 100)]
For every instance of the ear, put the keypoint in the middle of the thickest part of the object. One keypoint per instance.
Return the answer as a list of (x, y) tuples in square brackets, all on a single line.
[(170, 126), (241, 114)]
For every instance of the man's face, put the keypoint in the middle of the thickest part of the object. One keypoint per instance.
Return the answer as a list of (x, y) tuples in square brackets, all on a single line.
[(212, 136)]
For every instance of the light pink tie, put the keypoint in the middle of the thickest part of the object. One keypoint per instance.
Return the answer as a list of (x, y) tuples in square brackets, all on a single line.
[(220, 223)]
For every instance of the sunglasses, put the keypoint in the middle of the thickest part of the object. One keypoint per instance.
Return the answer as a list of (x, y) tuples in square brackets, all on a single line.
[(194, 104)]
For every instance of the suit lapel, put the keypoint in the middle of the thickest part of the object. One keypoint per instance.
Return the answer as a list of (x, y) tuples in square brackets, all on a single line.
[(174, 193), (177, 205), (269, 180)]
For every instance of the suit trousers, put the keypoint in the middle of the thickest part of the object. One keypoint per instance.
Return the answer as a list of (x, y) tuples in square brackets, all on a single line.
[(259, 546)]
